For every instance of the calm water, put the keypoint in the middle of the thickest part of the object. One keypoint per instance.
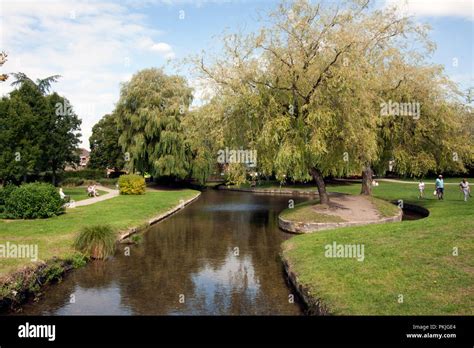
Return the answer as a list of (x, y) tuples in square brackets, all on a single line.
[(191, 258)]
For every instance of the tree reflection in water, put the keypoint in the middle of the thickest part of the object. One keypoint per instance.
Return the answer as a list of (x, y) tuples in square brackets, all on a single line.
[(221, 253)]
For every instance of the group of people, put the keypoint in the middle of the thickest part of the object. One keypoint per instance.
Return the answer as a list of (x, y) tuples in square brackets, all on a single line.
[(439, 188), (92, 191)]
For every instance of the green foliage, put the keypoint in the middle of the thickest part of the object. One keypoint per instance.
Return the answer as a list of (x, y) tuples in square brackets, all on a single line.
[(136, 238), (104, 143), (108, 182), (204, 137), (32, 201), (149, 114), (38, 133), (77, 260), (5, 192), (72, 182), (131, 184), (96, 241), (89, 174)]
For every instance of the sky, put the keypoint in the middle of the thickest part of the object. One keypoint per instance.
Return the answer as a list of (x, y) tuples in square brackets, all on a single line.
[(97, 45)]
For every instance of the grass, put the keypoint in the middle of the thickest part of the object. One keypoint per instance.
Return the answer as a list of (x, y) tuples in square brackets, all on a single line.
[(79, 193), (304, 212), (432, 180), (386, 209), (415, 259), (55, 236)]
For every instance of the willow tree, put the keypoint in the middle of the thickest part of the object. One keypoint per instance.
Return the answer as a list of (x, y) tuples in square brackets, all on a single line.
[(203, 133), (304, 77), (434, 139), (149, 113)]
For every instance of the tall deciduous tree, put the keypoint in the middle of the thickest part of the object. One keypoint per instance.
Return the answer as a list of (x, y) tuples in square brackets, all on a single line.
[(149, 115), (39, 133), (309, 110), (104, 144), (61, 135), (203, 130)]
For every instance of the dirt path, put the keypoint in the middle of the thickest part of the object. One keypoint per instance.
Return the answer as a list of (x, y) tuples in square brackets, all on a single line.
[(350, 208), (111, 193)]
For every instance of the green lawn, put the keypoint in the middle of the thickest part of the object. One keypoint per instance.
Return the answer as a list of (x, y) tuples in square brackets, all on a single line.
[(54, 236), (79, 193), (411, 258)]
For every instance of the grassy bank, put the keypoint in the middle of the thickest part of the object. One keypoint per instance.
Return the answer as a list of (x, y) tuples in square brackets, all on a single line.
[(54, 236), (409, 267)]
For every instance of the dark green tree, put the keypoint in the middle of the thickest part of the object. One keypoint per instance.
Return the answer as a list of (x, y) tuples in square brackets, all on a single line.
[(105, 149), (38, 132), (19, 134)]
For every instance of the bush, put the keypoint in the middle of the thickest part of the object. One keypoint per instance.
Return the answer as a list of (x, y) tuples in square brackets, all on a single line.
[(97, 242), (5, 192), (32, 201), (131, 184)]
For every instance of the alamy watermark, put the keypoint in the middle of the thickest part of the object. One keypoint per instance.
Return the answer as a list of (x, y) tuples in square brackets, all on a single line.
[(19, 251), (335, 250), (411, 109), (226, 156)]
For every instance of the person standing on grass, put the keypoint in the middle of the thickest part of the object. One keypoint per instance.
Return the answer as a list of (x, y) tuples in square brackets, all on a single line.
[(440, 187), (421, 188), (465, 189)]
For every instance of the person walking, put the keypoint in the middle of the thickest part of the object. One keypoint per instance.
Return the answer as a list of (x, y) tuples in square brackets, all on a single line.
[(465, 189), (421, 188), (440, 187)]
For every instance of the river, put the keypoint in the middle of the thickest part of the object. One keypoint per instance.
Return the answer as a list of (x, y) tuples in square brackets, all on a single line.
[(218, 256)]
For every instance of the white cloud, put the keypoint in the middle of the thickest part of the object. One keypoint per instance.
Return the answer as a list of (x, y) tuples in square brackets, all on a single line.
[(163, 48), (94, 45), (435, 8)]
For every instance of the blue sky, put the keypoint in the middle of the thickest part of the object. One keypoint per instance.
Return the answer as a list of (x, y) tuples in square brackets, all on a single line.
[(96, 45)]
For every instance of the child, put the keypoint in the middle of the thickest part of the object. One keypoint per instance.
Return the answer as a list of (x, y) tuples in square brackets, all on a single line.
[(421, 188)]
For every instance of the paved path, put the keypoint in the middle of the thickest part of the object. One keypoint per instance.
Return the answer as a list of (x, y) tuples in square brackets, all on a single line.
[(111, 193)]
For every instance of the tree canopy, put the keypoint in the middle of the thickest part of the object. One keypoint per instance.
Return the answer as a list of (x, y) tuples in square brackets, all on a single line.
[(149, 114)]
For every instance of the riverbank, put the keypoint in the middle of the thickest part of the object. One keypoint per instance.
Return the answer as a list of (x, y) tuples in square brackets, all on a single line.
[(20, 278), (420, 267), (268, 188)]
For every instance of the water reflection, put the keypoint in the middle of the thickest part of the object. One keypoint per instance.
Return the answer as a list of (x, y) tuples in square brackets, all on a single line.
[(218, 256)]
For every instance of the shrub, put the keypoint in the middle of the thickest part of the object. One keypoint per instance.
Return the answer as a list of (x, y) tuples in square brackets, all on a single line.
[(131, 184), (5, 192), (97, 242), (32, 201)]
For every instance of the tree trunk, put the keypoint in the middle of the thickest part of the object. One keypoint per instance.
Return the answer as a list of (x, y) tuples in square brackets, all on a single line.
[(318, 178), (366, 181)]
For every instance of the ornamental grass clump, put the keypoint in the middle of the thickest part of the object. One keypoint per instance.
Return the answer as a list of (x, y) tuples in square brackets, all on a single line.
[(97, 242)]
